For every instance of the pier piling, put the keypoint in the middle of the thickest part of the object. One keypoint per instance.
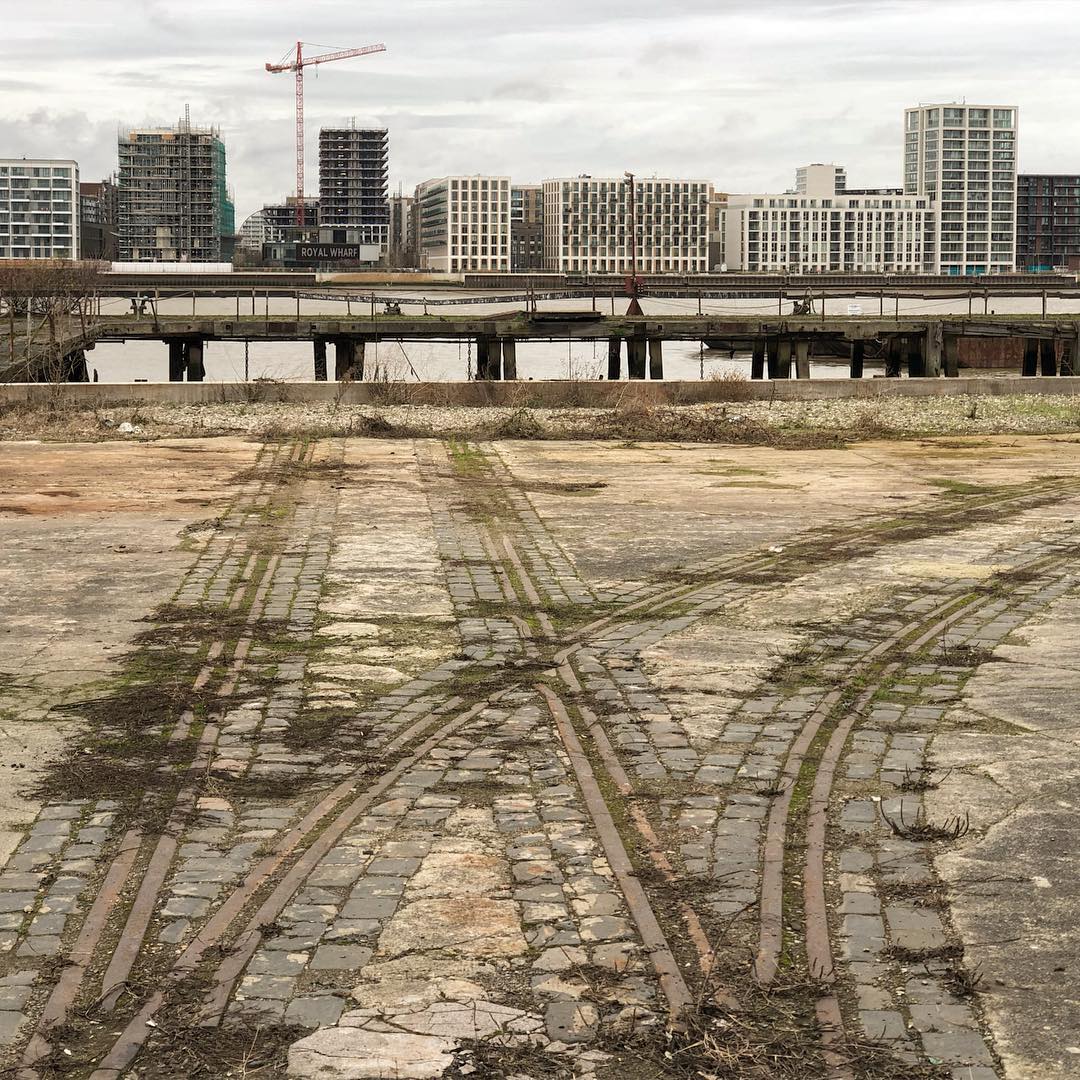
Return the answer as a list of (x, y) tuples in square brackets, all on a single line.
[(656, 358), (858, 355), (802, 359), (757, 359), (1048, 357), (176, 360), (614, 359), (1031, 358), (196, 370), (509, 358)]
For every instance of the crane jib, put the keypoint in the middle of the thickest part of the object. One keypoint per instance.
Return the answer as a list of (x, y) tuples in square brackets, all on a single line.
[(298, 66)]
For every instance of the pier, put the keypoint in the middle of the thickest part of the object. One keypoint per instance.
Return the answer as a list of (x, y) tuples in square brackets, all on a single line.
[(781, 347)]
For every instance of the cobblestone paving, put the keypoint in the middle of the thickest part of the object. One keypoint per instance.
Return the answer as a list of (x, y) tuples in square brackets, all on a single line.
[(460, 829)]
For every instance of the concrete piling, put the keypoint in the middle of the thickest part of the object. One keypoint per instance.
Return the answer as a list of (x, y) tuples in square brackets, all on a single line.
[(1048, 357), (319, 348), (802, 359), (1031, 358), (858, 355), (656, 358), (757, 361), (635, 358)]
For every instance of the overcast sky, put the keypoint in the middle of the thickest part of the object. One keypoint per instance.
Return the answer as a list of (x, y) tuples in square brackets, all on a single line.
[(739, 92)]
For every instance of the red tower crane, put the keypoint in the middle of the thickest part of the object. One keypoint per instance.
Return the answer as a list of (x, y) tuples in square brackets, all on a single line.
[(298, 64)]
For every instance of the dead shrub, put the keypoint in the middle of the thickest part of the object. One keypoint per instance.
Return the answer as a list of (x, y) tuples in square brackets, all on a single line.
[(730, 386)]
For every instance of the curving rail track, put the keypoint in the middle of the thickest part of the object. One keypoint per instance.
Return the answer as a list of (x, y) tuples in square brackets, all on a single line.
[(534, 581)]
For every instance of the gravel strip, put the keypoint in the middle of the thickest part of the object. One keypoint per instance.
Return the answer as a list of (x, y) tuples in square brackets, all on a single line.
[(747, 421)]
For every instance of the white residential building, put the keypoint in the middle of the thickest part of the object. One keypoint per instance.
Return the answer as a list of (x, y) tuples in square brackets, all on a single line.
[(587, 222), (964, 158), (464, 223), (39, 209), (818, 231), (815, 176), (252, 233)]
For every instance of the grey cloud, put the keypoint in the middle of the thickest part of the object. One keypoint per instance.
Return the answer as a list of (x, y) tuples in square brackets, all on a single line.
[(738, 91)]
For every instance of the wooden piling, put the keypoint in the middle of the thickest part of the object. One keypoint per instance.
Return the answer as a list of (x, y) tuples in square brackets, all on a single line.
[(914, 356), (656, 358), (196, 369), (1031, 358), (933, 349), (757, 360), (952, 356), (802, 359), (509, 358), (1048, 357), (783, 359), (177, 360), (893, 356), (1070, 354), (614, 359), (348, 359), (858, 355)]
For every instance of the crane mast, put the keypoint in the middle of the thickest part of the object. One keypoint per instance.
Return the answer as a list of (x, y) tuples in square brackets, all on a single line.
[(297, 65)]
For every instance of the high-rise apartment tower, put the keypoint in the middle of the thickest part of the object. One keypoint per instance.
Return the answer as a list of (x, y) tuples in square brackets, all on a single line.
[(352, 185), (964, 158), (39, 209)]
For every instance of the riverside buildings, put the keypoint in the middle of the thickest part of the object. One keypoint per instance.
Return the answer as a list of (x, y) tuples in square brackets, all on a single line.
[(963, 157), (526, 227), (173, 201), (587, 225), (1048, 223), (817, 230), (463, 223), (401, 252), (97, 221), (39, 209)]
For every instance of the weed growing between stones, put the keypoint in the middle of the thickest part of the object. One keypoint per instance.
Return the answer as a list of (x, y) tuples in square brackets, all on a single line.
[(921, 780), (773, 1034), (922, 828), (962, 982), (232, 1051)]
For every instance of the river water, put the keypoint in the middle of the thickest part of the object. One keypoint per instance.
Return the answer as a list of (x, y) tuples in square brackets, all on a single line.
[(440, 362)]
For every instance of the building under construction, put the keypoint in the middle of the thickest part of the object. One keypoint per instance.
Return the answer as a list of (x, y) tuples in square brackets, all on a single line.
[(352, 185), (173, 201)]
